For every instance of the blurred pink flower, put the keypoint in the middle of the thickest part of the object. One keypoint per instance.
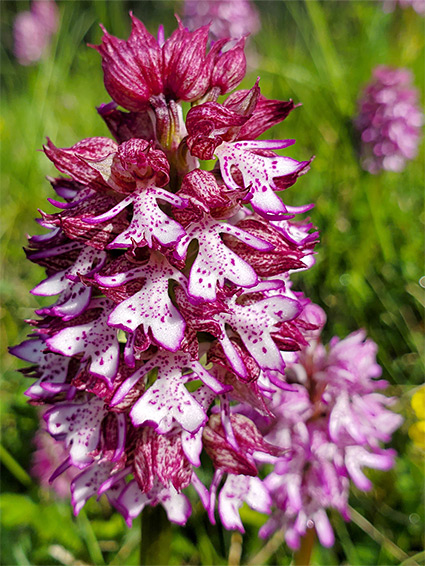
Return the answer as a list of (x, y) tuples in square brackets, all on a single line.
[(48, 456), (230, 18), (33, 31), (389, 120), (417, 5), (331, 425)]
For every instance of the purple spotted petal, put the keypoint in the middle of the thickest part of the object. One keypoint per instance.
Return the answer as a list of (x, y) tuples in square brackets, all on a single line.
[(67, 248), (254, 324), (29, 350), (89, 481), (192, 446), (151, 307), (95, 340), (51, 371), (258, 172), (168, 400), (72, 302), (74, 297), (192, 442), (215, 262), (177, 506), (133, 501), (78, 424), (148, 221)]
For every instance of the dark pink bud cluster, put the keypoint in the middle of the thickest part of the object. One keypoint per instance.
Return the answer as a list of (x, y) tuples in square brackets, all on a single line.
[(389, 120), (174, 314), (142, 68)]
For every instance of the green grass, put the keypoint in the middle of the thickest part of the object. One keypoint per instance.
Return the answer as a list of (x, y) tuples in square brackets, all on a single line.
[(367, 271)]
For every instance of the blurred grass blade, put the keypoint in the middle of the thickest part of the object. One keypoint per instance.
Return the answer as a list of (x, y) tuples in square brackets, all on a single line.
[(20, 556), (414, 560), (63, 556), (268, 549), (88, 534), (131, 541), (376, 535), (330, 57), (14, 467), (156, 536), (347, 544)]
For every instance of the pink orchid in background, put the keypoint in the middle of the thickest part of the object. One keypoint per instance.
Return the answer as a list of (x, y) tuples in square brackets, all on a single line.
[(389, 120), (176, 328), (47, 457), (228, 18), (330, 425), (33, 31), (417, 5)]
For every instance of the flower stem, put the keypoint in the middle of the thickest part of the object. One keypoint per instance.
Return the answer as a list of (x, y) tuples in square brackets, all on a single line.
[(235, 551), (156, 537), (302, 556)]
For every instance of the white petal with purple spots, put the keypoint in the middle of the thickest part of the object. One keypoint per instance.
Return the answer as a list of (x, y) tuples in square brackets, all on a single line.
[(95, 340), (151, 307), (78, 424), (215, 262)]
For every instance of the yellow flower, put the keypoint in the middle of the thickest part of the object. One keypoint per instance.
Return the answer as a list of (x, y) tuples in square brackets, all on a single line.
[(417, 430)]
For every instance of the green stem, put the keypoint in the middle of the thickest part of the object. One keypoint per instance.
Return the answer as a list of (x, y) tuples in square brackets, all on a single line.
[(14, 467), (377, 536), (302, 556), (156, 537), (89, 535)]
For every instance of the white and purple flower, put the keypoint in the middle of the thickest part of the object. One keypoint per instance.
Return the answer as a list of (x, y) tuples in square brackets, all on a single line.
[(176, 329)]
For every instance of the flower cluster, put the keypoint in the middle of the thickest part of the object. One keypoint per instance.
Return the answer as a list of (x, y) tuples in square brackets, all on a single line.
[(160, 269), (389, 120), (175, 328), (331, 422), (33, 31), (229, 18)]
